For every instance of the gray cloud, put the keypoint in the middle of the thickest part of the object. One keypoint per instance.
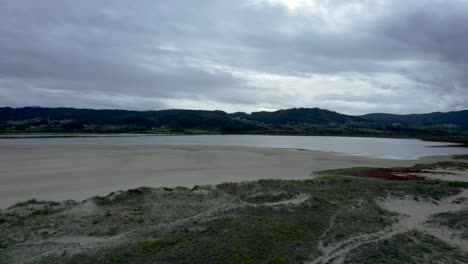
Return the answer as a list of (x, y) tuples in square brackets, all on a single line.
[(355, 56)]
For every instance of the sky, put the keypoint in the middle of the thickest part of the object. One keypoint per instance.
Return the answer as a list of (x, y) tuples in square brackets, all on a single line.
[(350, 56)]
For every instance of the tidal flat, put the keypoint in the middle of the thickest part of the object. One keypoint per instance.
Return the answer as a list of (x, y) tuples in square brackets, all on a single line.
[(62, 172)]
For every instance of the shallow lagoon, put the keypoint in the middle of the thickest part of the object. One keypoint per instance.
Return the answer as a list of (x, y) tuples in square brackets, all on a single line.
[(385, 148)]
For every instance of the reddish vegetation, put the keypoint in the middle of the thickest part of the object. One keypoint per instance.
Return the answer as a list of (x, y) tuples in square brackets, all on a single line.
[(393, 174)]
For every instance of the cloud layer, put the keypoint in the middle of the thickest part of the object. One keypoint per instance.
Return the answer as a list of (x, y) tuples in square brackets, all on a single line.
[(352, 56)]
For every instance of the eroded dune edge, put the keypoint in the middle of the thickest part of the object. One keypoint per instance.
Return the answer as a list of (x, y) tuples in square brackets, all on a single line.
[(358, 215)]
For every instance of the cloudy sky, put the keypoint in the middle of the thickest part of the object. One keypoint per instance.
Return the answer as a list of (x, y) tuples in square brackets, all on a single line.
[(351, 56)]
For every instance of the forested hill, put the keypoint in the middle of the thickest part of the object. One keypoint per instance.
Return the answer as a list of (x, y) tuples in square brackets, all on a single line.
[(296, 121), (290, 116), (302, 115), (459, 118)]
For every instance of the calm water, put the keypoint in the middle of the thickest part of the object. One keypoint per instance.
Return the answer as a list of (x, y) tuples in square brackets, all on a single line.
[(363, 146)]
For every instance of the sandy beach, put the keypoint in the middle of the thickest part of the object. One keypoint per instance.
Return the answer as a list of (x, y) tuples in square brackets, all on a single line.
[(78, 172)]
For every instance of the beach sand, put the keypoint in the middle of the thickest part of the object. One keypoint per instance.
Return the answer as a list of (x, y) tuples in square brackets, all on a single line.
[(62, 172)]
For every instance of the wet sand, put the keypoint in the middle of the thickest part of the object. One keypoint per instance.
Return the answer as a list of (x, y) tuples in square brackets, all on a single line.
[(62, 172)]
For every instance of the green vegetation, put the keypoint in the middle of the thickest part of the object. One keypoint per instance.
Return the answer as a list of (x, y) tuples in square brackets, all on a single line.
[(437, 189), (115, 198), (457, 165), (344, 172), (159, 130), (462, 157), (247, 239), (410, 247), (454, 118), (434, 189), (29, 202), (449, 127), (46, 211), (455, 220)]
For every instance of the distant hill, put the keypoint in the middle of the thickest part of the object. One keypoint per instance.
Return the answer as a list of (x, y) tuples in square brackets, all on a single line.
[(302, 115), (103, 116), (287, 116), (295, 115), (459, 118), (296, 121)]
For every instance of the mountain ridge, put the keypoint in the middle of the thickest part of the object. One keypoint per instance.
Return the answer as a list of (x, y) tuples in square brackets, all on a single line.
[(292, 115), (459, 118), (447, 127)]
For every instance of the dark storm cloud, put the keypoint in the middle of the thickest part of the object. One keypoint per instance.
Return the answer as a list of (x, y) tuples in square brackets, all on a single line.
[(235, 55)]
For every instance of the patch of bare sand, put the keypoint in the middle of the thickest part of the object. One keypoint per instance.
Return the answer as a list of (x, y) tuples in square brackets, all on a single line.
[(413, 215)]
